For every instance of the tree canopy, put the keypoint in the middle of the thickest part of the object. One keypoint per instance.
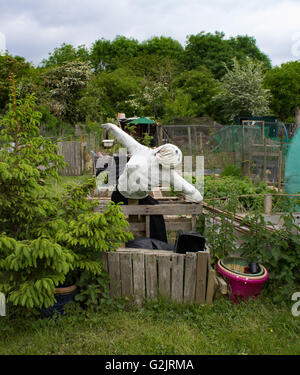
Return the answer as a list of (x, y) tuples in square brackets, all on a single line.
[(157, 77), (242, 91), (284, 84), (213, 51)]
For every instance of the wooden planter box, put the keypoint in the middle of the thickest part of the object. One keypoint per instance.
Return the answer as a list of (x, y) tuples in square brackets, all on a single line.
[(146, 274), (178, 215)]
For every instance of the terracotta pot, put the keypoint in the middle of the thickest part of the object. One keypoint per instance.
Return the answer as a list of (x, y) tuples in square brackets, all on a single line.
[(67, 289)]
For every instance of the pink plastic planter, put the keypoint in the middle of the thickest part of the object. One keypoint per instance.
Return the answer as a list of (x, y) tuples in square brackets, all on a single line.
[(241, 286)]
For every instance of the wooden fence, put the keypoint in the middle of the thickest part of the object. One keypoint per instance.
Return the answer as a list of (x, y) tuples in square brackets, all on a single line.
[(146, 274), (73, 153)]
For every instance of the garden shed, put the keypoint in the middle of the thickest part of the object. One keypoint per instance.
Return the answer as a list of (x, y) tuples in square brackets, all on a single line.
[(142, 126)]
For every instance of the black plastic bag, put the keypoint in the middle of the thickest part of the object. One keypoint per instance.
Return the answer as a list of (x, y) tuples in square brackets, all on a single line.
[(148, 243)]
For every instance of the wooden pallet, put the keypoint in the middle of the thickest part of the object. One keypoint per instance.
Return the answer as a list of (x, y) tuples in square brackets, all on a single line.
[(146, 274), (178, 215)]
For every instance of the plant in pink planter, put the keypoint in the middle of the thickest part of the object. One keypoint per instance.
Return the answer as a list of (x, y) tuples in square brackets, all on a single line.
[(242, 284)]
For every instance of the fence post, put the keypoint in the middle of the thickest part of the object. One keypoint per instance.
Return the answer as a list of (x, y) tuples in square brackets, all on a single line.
[(279, 169), (268, 204), (190, 140), (265, 160)]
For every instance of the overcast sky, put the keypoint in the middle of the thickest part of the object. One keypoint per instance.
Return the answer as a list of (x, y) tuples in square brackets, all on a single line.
[(32, 28)]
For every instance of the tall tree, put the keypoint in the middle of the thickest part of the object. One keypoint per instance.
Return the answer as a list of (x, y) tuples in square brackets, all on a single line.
[(66, 53), (109, 55), (201, 86), (242, 91), (109, 93), (213, 50), (63, 84), (284, 84), (11, 64)]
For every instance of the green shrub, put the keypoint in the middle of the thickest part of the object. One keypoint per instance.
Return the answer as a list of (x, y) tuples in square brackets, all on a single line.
[(232, 170), (278, 251), (46, 240)]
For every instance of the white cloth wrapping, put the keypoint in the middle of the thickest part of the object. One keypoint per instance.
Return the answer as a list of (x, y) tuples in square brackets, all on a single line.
[(149, 168)]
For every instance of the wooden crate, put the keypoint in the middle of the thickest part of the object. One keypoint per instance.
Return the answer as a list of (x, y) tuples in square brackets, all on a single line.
[(178, 215), (146, 274)]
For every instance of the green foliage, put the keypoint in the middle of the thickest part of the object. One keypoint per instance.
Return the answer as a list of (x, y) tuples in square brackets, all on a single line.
[(108, 55), (231, 186), (63, 84), (242, 91), (157, 77), (284, 85), (9, 65), (201, 86), (147, 140), (66, 53), (44, 239), (109, 93), (278, 251), (232, 170), (219, 232), (213, 51), (181, 106)]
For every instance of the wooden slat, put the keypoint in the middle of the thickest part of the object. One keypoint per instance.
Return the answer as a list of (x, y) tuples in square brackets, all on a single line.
[(177, 277), (194, 222), (114, 274), (170, 225), (145, 251), (201, 276), (151, 276), (72, 153), (126, 274), (164, 275), (160, 209), (147, 226), (270, 154), (138, 268), (103, 257), (189, 277), (211, 286)]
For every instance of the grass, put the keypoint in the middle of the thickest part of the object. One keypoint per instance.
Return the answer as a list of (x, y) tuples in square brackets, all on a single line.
[(161, 328), (58, 187)]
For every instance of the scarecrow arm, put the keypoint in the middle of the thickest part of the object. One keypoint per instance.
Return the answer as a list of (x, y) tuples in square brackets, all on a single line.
[(190, 192), (122, 137)]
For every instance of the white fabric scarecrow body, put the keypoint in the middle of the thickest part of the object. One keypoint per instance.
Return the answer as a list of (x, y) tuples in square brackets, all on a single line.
[(148, 168)]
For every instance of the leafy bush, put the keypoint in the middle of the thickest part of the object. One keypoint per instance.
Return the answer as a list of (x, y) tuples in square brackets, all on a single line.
[(45, 240), (230, 186), (232, 170), (278, 251)]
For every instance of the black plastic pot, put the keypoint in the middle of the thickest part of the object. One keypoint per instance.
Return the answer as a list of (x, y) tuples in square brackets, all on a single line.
[(189, 242)]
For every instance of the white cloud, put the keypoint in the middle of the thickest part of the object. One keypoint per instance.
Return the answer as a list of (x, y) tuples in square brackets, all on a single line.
[(2, 43), (35, 28)]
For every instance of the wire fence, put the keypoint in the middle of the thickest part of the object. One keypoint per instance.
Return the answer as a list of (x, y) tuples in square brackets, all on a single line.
[(259, 148)]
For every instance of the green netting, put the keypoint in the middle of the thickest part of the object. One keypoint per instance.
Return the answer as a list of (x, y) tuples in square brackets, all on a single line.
[(230, 138), (292, 166)]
